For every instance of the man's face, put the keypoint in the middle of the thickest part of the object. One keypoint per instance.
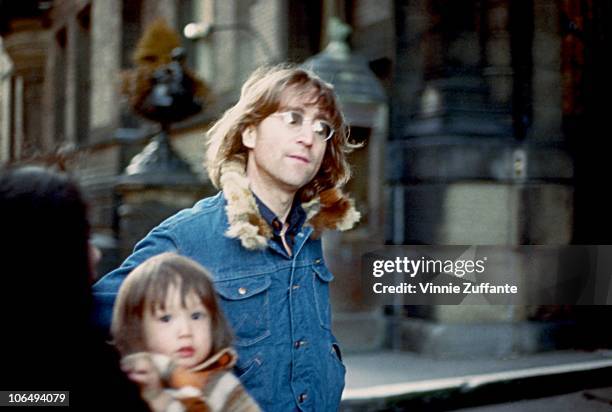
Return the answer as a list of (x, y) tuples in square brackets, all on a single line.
[(283, 154)]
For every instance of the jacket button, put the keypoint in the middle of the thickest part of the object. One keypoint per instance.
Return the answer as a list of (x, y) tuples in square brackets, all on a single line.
[(317, 261), (299, 343), (294, 287), (302, 397), (242, 291)]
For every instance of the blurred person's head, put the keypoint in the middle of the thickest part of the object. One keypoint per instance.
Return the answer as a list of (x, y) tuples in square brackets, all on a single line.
[(168, 305), (49, 343), (45, 239)]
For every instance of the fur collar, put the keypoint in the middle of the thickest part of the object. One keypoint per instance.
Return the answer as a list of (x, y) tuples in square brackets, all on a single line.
[(331, 210)]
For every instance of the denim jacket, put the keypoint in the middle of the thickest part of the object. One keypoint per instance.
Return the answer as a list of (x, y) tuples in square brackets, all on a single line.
[(278, 305)]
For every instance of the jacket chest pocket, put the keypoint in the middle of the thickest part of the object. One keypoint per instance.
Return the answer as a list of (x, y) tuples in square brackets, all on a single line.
[(320, 283), (246, 306)]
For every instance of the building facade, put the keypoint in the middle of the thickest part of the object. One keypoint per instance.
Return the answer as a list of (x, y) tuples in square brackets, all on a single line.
[(496, 125)]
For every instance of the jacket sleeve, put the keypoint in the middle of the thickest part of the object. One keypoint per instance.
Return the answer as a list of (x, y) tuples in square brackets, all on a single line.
[(158, 241)]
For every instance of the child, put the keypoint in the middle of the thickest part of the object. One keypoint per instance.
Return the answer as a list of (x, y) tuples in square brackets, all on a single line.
[(168, 325)]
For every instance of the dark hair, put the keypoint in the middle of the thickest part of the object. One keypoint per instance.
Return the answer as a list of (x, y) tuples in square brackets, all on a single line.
[(46, 232), (47, 296), (146, 289)]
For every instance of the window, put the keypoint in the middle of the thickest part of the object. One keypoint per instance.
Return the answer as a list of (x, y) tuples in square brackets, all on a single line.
[(83, 76), (304, 29), (59, 87), (132, 27)]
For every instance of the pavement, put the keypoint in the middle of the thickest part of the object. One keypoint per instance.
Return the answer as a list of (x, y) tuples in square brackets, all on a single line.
[(396, 381), (591, 400)]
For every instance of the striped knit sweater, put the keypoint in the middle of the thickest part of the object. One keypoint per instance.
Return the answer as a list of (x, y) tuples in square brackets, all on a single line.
[(207, 387)]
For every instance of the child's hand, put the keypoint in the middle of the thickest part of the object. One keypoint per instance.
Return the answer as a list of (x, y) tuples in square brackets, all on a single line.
[(140, 368)]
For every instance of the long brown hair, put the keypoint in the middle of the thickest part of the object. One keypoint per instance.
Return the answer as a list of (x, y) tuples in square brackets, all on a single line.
[(259, 98)]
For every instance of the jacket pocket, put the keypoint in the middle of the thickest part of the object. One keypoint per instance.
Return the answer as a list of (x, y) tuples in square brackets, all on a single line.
[(254, 374), (320, 284), (246, 305)]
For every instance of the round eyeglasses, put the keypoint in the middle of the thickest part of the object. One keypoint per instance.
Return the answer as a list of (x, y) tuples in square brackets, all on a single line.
[(296, 120)]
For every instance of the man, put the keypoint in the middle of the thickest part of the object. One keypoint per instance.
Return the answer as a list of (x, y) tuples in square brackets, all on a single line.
[(278, 156)]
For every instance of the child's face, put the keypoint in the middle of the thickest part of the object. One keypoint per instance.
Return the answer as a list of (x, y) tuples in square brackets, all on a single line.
[(183, 333)]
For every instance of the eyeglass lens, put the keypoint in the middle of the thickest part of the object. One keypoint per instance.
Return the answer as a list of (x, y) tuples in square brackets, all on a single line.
[(321, 128)]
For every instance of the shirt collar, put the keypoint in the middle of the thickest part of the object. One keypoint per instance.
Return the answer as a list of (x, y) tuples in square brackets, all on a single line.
[(295, 219)]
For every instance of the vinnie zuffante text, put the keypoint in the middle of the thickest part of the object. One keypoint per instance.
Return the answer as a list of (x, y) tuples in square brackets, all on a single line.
[(413, 267)]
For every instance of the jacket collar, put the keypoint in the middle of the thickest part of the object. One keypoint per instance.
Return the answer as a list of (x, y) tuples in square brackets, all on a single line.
[(330, 210)]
